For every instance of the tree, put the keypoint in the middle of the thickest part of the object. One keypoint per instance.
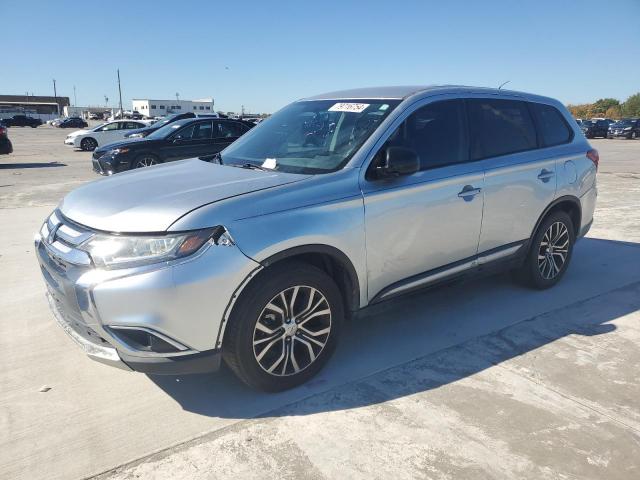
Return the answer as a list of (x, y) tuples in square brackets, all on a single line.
[(631, 106), (613, 112), (602, 105)]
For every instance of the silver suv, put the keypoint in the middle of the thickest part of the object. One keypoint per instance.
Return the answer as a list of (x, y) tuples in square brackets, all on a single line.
[(334, 203)]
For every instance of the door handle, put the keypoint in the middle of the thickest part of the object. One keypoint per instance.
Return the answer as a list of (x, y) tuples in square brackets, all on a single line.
[(545, 175), (468, 192)]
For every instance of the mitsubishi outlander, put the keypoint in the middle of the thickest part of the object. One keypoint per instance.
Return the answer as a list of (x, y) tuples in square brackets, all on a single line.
[(336, 202)]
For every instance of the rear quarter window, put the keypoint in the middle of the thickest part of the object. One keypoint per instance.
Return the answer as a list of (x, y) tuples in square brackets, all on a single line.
[(552, 127)]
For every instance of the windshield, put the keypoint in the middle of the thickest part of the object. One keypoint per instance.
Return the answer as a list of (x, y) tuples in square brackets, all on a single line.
[(587, 123), (310, 136), (624, 123), (168, 129)]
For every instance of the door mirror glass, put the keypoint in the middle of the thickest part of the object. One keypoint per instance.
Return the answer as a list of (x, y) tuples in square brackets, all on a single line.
[(398, 161)]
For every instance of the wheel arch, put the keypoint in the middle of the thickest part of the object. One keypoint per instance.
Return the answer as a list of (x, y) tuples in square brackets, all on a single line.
[(332, 261), (567, 203)]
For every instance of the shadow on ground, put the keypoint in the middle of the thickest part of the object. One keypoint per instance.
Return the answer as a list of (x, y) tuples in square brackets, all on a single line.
[(7, 166), (490, 317)]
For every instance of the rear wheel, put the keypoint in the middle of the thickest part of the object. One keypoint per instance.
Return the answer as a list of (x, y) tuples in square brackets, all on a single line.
[(145, 161), (88, 144), (549, 253), (284, 327)]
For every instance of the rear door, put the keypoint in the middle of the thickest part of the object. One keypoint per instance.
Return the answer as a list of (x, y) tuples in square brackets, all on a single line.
[(520, 179), (107, 134), (225, 133)]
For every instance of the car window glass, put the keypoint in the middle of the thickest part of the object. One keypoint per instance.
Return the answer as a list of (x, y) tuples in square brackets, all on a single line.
[(499, 127), (228, 130), (184, 134), (436, 133), (202, 131), (553, 129), (110, 126)]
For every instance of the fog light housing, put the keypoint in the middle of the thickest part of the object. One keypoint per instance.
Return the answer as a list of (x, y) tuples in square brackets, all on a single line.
[(146, 340)]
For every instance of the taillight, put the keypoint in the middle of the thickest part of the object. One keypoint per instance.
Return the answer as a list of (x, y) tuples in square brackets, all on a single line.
[(594, 157), (3, 131)]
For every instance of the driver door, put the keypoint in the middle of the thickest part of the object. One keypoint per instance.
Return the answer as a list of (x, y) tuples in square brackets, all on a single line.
[(422, 225)]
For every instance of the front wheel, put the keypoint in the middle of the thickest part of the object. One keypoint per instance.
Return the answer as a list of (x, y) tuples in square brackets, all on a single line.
[(284, 327), (88, 144), (145, 161), (549, 253)]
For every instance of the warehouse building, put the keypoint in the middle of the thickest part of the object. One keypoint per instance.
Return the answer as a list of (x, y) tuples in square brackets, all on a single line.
[(154, 108), (43, 107)]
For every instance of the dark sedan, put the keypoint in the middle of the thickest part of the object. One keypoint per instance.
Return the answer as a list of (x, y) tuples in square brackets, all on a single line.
[(22, 121), (626, 128), (143, 132), (73, 122), (5, 143), (595, 128), (188, 138)]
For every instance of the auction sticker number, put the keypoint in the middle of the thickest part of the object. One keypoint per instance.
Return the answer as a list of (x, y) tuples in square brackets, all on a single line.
[(349, 107)]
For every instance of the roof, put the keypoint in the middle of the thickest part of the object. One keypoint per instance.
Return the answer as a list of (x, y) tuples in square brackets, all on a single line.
[(402, 92)]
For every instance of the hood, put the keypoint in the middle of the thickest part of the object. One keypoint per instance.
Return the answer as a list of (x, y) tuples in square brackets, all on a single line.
[(122, 143), (151, 199), (78, 132)]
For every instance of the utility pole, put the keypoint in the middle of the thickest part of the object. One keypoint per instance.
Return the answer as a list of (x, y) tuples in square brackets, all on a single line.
[(55, 96), (75, 99), (120, 92)]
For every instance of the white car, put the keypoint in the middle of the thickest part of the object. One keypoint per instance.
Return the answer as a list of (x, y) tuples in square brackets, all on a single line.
[(90, 139)]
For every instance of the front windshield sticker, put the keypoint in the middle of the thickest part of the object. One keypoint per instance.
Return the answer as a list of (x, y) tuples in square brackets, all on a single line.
[(269, 163), (349, 107)]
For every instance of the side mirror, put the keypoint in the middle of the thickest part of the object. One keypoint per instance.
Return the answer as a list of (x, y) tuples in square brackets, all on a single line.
[(398, 161)]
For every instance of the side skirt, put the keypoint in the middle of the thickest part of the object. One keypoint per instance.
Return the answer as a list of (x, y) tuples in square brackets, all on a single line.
[(492, 261)]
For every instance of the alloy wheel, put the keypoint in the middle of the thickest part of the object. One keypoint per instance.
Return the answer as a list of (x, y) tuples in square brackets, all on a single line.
[(553, 250), (146, 162), (292, 331)]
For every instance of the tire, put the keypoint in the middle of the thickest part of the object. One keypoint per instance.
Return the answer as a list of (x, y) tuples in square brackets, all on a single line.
[(146, 160), (290, 355), (540, 269), (633, 136), (34, 126), (88, 144)]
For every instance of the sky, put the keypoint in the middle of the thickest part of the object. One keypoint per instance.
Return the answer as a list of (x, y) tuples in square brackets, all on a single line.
[(265, 54)]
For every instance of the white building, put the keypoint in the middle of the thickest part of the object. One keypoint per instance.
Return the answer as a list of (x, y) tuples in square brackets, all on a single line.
[(155, 108)]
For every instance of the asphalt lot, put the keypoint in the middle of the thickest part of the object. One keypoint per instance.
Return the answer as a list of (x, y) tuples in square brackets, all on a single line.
[(479, 380)]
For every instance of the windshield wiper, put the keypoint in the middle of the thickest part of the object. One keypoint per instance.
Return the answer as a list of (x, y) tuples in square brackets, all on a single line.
[(251, 166)]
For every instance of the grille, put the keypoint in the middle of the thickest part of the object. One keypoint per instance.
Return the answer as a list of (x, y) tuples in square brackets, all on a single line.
[(62, 238)]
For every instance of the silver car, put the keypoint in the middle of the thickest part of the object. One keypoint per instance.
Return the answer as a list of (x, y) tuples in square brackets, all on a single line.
[(336, 202)]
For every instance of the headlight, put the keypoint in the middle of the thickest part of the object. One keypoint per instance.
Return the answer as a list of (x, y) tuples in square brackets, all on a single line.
[(135, 135), (116, 151), (628, 128), (114, 251)]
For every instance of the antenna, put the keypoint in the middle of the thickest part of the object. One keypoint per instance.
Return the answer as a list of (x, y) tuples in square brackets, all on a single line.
[(502, 85)]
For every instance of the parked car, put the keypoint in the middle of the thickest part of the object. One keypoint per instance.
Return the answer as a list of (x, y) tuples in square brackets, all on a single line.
[(336, 202), (103, 134), (186, 138), (73, 122), (5, 144), (22, 121), (626, 128), (143, 132), (595, 128), (95, 116)]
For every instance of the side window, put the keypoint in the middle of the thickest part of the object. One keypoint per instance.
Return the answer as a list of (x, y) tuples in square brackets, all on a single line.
[(110, 126), (499, 127), (131, 125), (202, 131), (184, 134), (436, 132), (553, 128), (228, 130)]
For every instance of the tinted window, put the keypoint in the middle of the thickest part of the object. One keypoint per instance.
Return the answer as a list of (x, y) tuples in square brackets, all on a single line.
[(552, 127), (110, 126), (185, 133), (436, 132), (202, 130), (499, 127), (229, 129)]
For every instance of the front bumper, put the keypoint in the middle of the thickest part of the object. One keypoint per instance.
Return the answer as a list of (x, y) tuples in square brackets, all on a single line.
[(184, 303), (70, 142), (107, 164), (618, 133)]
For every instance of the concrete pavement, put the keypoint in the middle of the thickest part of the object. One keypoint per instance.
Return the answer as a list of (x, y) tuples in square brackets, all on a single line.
[(478, 380)]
